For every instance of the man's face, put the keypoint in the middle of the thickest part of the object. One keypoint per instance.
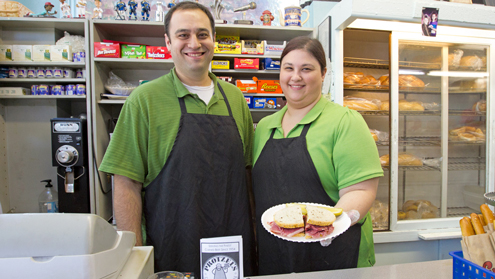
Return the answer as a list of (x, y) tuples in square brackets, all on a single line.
[(191, 41)]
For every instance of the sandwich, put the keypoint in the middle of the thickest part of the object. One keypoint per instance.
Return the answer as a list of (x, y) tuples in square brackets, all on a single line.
[(303, 220)]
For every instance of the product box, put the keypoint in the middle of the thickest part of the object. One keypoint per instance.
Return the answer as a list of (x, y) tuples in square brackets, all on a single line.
[(227, 79), (61, 53), (270, 64), (252, 47), (220, 64), (249, 100), (264, 103), (227, 44), (133, 51), (41, 53), (14, 91), (269, 86), (272, 48), (22, 53), (246, 85), (107, 50), (5, 52), (246, 63), (157, 52)]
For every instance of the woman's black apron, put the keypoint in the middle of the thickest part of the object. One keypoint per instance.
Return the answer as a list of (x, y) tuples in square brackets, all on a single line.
[(201, 192), (285, 173)]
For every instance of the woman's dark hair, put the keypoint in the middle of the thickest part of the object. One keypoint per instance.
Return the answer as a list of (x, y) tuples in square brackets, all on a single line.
[(313, 46), (187, 5)]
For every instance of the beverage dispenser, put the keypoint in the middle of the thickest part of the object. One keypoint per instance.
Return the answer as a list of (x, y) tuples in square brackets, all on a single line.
[(70, 156)]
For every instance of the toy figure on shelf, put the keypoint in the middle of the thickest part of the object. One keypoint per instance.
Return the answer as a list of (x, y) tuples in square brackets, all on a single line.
[(171, 4), (65, 9), (267, 18), (98, 11), (159, 12), (145, 10), (132, 9), (47, 13), (81, 8), (120, 8)]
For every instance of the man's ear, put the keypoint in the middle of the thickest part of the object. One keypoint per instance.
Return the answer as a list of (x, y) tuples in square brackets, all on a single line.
[(167, 41)]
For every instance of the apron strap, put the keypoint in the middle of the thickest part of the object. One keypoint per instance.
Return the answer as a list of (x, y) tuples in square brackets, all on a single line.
[(183, 109), (225, 98), (303, 133)]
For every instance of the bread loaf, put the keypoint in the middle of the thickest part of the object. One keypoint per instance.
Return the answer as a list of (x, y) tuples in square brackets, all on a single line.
[(404, 106), (405, 159), (405, 82), (473, 62), (360, 104), (479, 106)]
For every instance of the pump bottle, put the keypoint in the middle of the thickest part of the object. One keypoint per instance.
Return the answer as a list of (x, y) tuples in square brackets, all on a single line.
[(48, 199)]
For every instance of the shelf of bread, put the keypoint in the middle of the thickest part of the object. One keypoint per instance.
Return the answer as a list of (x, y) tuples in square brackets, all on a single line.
[(366, 63)]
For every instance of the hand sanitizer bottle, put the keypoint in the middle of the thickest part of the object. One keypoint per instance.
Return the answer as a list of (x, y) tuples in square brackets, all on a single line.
[(48, 199)]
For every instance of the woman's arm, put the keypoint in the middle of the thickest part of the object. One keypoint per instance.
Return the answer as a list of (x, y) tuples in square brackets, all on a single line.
[(359, 196)]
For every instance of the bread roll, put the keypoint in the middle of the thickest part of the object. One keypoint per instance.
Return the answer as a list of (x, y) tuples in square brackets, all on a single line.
[(466, 137), (466, 227), (472, 61), (375, 137), (401, 215), (406, 81), (475, 221), (487, 214), (479, 106)]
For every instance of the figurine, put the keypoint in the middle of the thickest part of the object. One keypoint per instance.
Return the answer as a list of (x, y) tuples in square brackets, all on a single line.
[(267, 18), (218, 8), (81, 8), (159, 12), (132, 9), (98, 11), (47, 13), (145, 10), (65, 9), (171, 4), (121, 8)]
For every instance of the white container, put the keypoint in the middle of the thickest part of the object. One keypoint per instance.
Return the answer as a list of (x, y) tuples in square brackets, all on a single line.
[(22, 53), (61, 53), (58, 245), (5, 52), (41, 53)]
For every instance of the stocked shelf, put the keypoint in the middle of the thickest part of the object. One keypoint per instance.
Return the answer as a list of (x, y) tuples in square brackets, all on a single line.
[(44, 80), (455, 164), (245, 71), (44, 97), (43, 64), (260, 32), (402, 113), (226, 55), (428, 141), (384, 64)]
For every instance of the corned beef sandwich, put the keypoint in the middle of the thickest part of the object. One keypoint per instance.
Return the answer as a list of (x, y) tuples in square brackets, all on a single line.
[(288, 222), (318, 222)]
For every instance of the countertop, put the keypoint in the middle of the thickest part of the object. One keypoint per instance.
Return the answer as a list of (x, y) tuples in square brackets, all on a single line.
[(441, 269)]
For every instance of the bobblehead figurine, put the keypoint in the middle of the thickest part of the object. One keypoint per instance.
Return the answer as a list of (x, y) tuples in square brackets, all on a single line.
[(98, 11), (132, 9), (81, 8), (65, 9), (159, 12), (145, 10), (120, 8), (171, 4)]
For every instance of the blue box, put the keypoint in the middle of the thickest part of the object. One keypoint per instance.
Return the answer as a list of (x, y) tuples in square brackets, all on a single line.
[(249, 101), (463, 268), (264, 103), (270, 64)]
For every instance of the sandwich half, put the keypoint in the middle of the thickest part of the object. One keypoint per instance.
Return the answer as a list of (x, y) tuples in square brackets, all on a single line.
[(318, 222), (288, 222)]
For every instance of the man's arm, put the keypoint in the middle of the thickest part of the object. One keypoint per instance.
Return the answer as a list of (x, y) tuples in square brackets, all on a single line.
[(128, 206)]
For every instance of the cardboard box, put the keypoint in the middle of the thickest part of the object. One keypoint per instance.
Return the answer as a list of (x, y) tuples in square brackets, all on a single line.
[(14, 91), (269, 87), (227, 44), (270, 64), (41, 53), (133, 51), (252, 47), (157, 52), (225, 78), (264, 103), (5, 52), (107, 50), (247, 63), (61, 53), (246, 85), (249, 100), (220, 64), (22, 53), (274, 48)]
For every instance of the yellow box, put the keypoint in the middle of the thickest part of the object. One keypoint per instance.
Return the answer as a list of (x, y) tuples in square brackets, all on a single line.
[(41, 53), (220, 64), (5, 52), (22, 53), (252, 47), (228, 44), (61, 53)]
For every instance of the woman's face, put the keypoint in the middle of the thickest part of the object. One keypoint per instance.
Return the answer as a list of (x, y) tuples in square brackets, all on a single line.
[(301, 78)]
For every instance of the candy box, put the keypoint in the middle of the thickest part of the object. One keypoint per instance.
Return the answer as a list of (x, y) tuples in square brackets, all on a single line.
[(249, 100), (107, 50), (220, 64), (133, 51), (157, 52), (14, 91), (274, 48), (246, 85), (252, 47), (264, 103), (269, 86), (270, 64), (227, 44), (247, 63)]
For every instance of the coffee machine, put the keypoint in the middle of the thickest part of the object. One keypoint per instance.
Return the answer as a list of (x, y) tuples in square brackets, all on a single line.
[(70, 156)]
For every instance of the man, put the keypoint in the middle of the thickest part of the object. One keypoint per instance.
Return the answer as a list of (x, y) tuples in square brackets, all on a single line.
[(65, 8), (186, 140)]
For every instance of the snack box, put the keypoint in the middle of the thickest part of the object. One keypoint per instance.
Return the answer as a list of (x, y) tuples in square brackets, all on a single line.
[(61, 53), (249, 100), (14, 91), (227, 79), (22, 53), (41, 53), (247, 63), (220, 64), (246, 85), (264, 103), (133, 51), (272, 48), (270, 64), (227, 44), (252, 47), (5, 52), (157, 52), (269, 86), (107, 50)]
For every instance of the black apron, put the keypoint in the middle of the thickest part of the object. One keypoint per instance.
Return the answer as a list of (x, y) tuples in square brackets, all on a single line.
[(284, 173), (201, 192)]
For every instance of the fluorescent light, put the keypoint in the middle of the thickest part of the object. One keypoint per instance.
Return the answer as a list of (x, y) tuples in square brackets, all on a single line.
[(457, 74), (411, 72)]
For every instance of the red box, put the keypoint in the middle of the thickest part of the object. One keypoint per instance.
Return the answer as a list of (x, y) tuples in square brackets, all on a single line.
[(157, 52), (269, 87), (246, 63), (107, 50)]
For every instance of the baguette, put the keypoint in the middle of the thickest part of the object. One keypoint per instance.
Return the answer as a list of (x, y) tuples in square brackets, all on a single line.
[(478, 227), (487, 214), (466, 227), (482, 219)]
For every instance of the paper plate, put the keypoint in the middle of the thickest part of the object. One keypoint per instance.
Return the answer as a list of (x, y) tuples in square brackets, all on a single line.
[(342, 223)]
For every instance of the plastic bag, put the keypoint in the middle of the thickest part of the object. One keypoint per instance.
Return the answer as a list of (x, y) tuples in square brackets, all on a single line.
[(455, 58), (379, 135), (75, 41), (405, 159), (117, 86), (479, 106), (356, 103)]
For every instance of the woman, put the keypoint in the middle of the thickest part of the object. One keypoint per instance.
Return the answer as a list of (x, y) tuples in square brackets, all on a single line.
[(316, 151)]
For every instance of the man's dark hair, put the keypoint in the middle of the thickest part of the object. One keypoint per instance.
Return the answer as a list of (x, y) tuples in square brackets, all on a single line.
[(187, 5)]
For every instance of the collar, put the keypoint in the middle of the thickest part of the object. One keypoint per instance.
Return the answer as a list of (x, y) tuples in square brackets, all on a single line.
[(181, 90), (312, 115)]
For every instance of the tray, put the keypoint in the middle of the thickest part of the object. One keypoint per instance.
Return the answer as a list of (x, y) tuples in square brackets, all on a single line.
[(490, 198), (463, 268)]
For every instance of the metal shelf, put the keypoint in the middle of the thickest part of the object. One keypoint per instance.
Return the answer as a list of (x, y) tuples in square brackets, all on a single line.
[(245, 71), (466, 112), (43, 80), (459, 211), (43, 97), (44, 64), (402, 113)]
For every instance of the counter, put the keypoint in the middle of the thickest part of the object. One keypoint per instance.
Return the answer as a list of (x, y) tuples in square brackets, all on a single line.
[(441, 269)]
